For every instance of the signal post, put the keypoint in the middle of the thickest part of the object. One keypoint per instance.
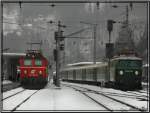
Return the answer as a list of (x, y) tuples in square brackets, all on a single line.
[(109, 45), (58, 38)]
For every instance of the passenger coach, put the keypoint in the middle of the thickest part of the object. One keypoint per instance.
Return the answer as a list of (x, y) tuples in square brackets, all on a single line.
[(125, 73)]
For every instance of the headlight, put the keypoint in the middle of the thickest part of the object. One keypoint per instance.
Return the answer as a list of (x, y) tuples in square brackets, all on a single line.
[(121, 72), (18, 70), (32, 71), (40, 72), (136, 72), (25, 71)]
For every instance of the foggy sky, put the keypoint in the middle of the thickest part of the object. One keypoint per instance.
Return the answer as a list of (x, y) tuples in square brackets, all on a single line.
[(31, 25)]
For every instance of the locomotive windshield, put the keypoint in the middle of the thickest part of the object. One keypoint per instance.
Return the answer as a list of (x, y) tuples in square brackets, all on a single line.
[(38, 62), (27, 62), (130, 63)]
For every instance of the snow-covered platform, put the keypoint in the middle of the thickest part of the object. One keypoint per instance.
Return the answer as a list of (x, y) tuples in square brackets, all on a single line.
[(6, 82), (8, 85), (52, 98)]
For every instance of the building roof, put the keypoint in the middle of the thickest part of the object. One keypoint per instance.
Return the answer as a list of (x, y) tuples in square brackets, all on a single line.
[(14, 54)]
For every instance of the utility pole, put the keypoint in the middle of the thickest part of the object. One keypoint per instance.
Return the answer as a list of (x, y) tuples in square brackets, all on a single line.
[(57, 56), (109, 45), (94, 37), (1, 42), (58, 38), (94, 51), (127, 15)]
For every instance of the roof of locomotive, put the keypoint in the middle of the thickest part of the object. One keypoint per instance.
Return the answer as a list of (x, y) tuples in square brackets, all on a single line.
[(34, 53), (88, 66)]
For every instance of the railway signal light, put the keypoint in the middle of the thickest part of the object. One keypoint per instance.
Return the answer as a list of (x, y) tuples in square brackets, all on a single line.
[(56, 35), (110, 25), (61, 38), (109, 50), (61, 46), (131, 5)]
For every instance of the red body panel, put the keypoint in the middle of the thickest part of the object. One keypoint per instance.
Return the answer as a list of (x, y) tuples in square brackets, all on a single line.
[(33, 70)]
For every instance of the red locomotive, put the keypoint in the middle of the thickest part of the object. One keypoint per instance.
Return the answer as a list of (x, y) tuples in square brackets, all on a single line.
[(33, 69)]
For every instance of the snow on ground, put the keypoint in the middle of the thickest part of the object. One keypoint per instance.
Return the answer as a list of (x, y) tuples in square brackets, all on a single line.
[(11, 92), (13, 101), (113, 105), (105, 90), (65, 98), (7, 82), (134, 102), (144, 83)]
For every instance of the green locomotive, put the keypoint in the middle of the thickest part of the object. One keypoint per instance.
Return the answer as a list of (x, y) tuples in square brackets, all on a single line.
[(125, 73)]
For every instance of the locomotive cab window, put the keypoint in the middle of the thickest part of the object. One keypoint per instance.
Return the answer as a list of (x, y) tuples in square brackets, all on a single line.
[(38, 62), (27, 62), (130, 63)]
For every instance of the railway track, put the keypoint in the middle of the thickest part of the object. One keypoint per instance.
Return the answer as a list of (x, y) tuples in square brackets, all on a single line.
[(22, 101), (139, 97), (130, 94), (139, 93), (13, 94), (8, 87), (104, 106), (89, 93)]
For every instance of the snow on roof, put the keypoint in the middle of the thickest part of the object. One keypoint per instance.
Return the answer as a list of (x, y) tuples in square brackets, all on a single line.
[(82, 63), (14, 54), (85, 66), (123, 57), (146, 65)]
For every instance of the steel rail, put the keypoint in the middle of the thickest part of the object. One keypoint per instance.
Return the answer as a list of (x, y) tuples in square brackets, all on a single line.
[(134, 107), (13, 94), (92, 99), (123, 95), (24, 101)]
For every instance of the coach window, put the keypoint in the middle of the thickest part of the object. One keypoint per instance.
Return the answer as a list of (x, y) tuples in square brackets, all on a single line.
[(83, 74), (74, 74)]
